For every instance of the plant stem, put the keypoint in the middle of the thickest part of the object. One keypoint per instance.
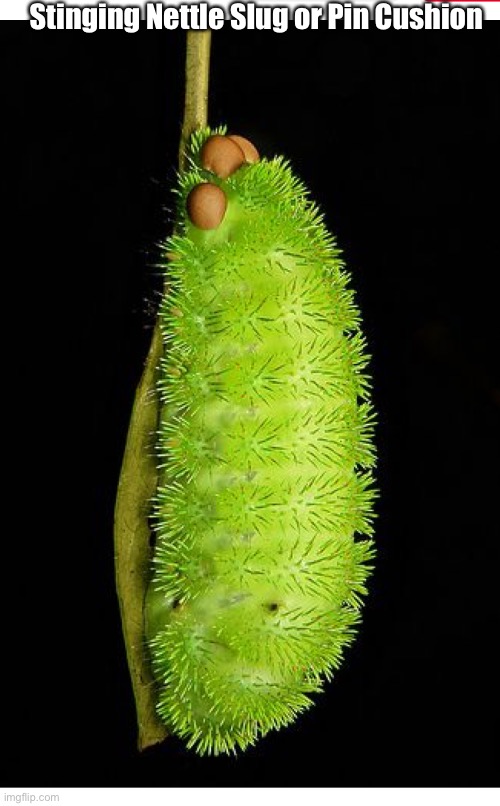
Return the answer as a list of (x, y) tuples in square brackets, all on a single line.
[(138, 477), (196, 95)]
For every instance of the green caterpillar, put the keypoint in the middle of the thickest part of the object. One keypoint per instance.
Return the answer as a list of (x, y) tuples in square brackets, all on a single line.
[(265, 446)]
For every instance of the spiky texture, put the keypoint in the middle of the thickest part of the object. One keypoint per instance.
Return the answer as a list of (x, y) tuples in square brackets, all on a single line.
[(265, 451)]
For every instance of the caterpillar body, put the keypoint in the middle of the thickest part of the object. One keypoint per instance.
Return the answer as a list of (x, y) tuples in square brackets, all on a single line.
[(264, 504)]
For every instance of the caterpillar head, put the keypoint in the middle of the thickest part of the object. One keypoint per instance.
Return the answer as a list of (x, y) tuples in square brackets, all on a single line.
[(207, 198)]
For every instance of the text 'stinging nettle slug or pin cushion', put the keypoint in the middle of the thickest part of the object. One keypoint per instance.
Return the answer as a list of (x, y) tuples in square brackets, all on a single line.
[(264, 504)]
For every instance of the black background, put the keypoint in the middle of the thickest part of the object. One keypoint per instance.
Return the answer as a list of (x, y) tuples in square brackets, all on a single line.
[(395, 134)]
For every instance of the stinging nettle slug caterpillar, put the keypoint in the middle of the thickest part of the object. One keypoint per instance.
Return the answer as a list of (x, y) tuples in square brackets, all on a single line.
[(264, 506)]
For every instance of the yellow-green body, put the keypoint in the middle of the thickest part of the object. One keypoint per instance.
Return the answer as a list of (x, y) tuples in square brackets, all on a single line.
[(264, 502)]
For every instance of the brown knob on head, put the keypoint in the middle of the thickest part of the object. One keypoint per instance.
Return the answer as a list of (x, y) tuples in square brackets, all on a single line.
[(221, 155), (206, 205), (249, 151)]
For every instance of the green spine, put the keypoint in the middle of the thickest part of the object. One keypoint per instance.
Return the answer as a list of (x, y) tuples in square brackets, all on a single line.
[(265, 446)]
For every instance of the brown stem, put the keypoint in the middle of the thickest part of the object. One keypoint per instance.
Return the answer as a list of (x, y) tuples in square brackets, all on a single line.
[(196, 96), (138, 477)]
